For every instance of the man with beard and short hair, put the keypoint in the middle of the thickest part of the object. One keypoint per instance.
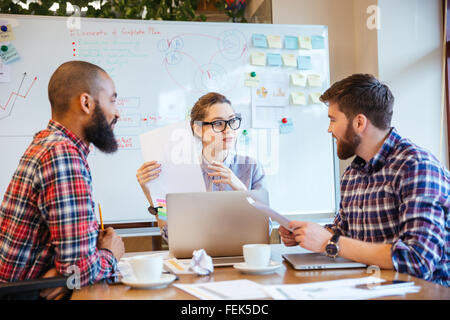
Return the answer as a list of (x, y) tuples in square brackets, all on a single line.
[(395, 203), (47, 217)]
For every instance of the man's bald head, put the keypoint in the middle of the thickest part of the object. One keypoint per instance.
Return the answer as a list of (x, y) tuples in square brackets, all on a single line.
[(72, 79)]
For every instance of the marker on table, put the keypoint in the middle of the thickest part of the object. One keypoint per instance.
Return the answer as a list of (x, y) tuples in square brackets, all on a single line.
[(101, 218)]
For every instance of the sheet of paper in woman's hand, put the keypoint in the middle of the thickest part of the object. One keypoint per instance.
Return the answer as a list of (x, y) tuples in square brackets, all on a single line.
[(173, 147)]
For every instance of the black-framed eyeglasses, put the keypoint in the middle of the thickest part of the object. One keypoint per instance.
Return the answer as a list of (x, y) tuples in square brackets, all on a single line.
[(221, 125)]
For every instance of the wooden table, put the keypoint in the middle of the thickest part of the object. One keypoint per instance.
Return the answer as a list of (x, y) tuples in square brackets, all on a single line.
[(284, 275)]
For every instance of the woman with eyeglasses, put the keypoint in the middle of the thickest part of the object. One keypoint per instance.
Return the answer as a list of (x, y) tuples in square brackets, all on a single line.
[(215, 123)]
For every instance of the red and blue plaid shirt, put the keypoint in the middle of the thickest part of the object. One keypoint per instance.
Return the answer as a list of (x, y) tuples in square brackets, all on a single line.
[(400, 197), (47, 217)]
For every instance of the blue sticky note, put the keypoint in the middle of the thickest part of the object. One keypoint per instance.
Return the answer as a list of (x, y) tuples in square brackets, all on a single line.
[(244, 137), (304, 63), (287, 127), (274, 59), (259, 41), (318, 42), (291, 42)]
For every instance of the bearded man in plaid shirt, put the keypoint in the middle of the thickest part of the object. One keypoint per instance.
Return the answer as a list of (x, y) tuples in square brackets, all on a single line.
[(47, 217), (394, 210)]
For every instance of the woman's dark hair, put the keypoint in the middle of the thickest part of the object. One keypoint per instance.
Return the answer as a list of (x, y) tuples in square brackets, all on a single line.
[(362, 94)]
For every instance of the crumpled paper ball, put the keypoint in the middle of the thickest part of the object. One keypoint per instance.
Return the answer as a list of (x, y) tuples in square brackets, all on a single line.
[(201, 263)]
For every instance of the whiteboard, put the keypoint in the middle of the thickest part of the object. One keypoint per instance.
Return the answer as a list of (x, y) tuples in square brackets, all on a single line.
[(160, 68)]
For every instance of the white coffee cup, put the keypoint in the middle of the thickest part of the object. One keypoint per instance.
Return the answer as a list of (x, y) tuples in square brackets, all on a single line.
[(256, 255), (147, 268)]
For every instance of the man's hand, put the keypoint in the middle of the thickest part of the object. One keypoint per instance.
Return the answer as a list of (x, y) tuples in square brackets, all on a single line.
[(108, 239), (287, 237), (310, 235)]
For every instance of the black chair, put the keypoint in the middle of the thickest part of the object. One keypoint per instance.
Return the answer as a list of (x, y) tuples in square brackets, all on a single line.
[(29, 289)]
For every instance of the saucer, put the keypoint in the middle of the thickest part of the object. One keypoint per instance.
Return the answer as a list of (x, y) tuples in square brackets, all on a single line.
[(161, 283), (272, 267)]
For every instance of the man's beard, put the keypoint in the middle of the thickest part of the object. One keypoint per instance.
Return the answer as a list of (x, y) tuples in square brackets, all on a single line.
[(346, 146), (99, 131)]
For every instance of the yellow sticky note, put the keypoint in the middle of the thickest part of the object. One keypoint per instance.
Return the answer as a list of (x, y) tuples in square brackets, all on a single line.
[(314, 80), (315, 97), (258, 59), (251, 81), (289, 60), (275, 42), (298, 98), (298, 79), (305, 43), (7, 35)]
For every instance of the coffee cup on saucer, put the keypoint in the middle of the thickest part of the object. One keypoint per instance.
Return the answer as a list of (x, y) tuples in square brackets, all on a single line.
[(257, 255), (148, 268)]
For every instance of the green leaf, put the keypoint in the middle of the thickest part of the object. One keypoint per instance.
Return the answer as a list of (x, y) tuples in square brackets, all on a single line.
[(130, 9)]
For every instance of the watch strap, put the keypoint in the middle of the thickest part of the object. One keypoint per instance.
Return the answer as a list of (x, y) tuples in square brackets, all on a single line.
[(335, 238)]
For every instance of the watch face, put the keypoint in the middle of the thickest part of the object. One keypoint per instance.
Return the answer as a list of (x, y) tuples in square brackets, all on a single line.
[(331, 249)]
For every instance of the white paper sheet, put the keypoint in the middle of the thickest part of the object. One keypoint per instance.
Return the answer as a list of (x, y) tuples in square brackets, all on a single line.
[(269, 100), (270, 212), (334, 290), (266, 117), (225, 290), (174, 148)]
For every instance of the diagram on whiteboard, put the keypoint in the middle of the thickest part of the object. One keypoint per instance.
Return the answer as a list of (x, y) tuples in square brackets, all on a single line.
[(209, 71), (7, 108)]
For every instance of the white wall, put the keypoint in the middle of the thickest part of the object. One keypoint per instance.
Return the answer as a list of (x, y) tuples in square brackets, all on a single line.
[(410, 62), (406, 53)]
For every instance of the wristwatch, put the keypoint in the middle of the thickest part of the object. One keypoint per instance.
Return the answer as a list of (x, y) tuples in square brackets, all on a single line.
[(153, 210), (332, 248)]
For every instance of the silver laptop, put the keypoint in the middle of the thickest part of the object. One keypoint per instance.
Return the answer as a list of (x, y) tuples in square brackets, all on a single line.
[(218, 222), (308, 261)]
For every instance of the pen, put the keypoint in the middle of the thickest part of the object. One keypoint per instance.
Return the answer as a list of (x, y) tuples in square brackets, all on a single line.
[(101, 218)]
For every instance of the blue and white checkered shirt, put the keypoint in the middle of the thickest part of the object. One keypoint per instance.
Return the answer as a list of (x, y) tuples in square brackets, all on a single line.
[(400, 197)]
